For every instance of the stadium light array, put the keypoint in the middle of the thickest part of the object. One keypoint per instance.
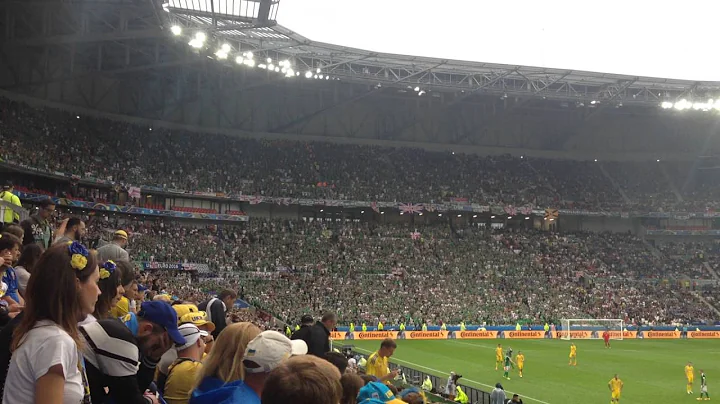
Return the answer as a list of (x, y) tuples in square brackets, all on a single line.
[(684, 104), (176, 30)]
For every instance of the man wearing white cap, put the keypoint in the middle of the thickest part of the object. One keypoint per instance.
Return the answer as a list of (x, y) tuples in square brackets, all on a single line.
[(266, 352), (182, 373), (263, 354)]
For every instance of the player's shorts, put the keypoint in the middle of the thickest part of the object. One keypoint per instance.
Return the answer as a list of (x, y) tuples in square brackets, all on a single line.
[(506, 368), (521, 367), (616, 395), (498, 359), (690, 379), (572, 356), (703, 389)]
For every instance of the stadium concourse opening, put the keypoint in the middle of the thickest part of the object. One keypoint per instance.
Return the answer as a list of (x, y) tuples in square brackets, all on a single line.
[(217, 198)]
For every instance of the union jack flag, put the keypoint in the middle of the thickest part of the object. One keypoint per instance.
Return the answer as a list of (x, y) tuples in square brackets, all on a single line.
[(526, 210), (410, 208), (256, 200), (510, 210)]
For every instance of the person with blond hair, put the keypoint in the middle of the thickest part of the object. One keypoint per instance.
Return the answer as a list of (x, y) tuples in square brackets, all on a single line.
[(303, 380), (223, 370)]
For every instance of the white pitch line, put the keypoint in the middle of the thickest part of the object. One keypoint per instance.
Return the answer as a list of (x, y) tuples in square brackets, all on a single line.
[(445, 373)]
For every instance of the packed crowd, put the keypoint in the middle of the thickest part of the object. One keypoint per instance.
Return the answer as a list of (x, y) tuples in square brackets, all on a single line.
[(129, 154), (367, 272)]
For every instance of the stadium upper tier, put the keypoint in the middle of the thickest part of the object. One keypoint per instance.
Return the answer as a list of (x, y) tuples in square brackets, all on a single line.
[(54, 140)]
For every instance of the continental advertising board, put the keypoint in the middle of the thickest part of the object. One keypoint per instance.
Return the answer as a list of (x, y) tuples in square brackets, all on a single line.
[(523, 334), (424, 335), (661, 334), (574, 334), (374, 335), (703, 334), (335, 335), (475, 334)]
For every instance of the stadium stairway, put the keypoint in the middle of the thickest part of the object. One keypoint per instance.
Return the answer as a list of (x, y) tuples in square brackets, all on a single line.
[(702, 299), (615, 184), (712, 272)]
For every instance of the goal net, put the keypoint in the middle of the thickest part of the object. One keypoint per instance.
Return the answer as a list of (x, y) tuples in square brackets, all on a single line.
[(591, 328)]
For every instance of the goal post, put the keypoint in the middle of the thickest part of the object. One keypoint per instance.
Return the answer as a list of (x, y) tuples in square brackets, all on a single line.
[(591, 328)]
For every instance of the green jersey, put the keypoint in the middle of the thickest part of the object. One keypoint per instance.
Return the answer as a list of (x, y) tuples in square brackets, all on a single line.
[(507, 360), (703, 382)]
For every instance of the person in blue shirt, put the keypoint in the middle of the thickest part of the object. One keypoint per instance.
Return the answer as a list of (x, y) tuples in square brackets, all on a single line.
[(223, 383), (10, 252)]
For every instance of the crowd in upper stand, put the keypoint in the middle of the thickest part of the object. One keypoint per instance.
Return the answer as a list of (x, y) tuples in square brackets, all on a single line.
[(136, 155)]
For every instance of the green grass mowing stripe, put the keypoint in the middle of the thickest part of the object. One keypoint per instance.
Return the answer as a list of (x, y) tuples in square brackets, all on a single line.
[(651, 369)]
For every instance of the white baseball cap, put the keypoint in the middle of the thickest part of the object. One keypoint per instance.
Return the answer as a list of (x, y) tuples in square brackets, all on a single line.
[(267, 351), (191, 334)]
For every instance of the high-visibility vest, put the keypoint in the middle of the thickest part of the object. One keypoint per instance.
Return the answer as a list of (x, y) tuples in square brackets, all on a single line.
[(380, 326), (364, 327), (460, 396), (9, 215), (402, 326), (352, 327), (427, 384), (443, 327), (462, 326), (424, 327)]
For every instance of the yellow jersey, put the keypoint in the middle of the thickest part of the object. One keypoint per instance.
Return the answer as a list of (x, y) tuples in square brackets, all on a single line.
[(180, 381), (615, 384), (376, 365), (689, 372), (121, 308), (498, 353), (520, 360), (573, 350)]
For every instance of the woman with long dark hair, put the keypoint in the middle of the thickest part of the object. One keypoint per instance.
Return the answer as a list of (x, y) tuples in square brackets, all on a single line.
[(111, 288), (46, 366), (30, 255)]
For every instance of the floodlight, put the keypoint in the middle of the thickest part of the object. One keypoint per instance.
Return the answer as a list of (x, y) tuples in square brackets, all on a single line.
[(176, 30), (320, 76), (277, 69), (250, 55), (271, 66), (239, 60), (200, 36), (221, 54), (225, 47), (196, 43), (315, 76), (417, 89), (262, 65), (285, 63), (308, 74), (318, 70), (290, 72), (327, 77), (250, 63), (666, 105), (269, 60)]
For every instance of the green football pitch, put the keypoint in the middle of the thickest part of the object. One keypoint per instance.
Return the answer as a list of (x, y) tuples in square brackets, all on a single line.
[(652, 370)]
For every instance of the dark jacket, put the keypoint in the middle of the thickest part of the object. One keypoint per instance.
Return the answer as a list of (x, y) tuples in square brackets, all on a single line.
[(319, 339), (216, 312), (6, 336), (113, 360), (303, 333)]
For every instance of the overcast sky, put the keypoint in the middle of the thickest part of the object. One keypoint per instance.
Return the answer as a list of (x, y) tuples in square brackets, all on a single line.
[(661, 38)]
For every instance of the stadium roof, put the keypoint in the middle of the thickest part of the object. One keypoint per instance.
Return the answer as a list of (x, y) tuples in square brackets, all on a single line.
[(246, 31)]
